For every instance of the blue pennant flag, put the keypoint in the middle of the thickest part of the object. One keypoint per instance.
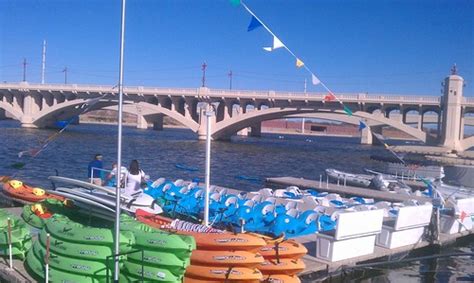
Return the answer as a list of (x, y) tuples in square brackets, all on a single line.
[(254, 23), (362, 126)]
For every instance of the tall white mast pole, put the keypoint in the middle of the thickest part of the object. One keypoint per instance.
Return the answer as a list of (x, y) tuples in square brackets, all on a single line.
[(209, 114), (119, 149), (43, 62)]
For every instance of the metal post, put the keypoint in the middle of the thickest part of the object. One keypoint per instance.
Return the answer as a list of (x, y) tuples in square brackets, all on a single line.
[(46, 259), (43, 62), (209, 113), (344, 181), (402, 175), (230, 81), (119, 149), (24, 69), (320, 180), (10, 255), (302, 125), (327, 182), (338, 181)]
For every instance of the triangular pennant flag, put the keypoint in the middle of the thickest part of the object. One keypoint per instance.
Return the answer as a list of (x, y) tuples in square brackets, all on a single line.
[(462, 216), (299, 63), (235, 3), (254, 23), (362, 125), (330, 97), (347, 110), (277, 43), (315, 80)]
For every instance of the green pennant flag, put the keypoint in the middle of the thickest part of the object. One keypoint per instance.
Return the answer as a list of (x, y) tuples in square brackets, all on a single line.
[(235, 3), (347, 110)]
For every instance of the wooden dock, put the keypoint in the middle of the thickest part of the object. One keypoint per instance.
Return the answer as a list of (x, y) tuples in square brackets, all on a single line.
[(318, 266), (344, 190)]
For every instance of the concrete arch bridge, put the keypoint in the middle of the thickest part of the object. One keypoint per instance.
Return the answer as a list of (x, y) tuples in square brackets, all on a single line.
[(40, 105)]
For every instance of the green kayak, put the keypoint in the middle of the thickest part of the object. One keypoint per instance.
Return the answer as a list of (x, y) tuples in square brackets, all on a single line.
[(147, 238), (165, 260), (20, 234), (91, 268), (155, 274), (62, 228), (49, 207), (77, 250), (36, 268)]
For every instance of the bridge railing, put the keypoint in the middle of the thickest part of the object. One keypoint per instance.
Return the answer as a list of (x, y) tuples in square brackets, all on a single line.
[(141, 90)]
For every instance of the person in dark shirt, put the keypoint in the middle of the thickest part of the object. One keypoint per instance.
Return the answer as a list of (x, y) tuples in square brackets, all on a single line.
[(95, 175)]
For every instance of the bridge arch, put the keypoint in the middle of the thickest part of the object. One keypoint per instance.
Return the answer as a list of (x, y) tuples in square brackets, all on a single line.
[(11, 110), (225, 129)]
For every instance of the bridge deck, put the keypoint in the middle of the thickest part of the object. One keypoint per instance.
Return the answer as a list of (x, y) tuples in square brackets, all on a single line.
[(346, 190)]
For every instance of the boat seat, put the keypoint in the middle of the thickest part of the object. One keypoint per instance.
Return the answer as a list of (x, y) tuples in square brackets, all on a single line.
[(158, 182), (167, 187), (265, 192), (271, 199), (292, 212), (179, 182)]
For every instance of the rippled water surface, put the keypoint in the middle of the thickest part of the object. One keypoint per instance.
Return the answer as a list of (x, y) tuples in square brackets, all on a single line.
[(254, 158)]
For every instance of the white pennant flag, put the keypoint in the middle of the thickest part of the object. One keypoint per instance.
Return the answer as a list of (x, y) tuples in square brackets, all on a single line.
[(276, 44), (315, 80)]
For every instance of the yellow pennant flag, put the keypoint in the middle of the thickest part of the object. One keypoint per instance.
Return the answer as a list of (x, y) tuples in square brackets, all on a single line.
[(299, 63)]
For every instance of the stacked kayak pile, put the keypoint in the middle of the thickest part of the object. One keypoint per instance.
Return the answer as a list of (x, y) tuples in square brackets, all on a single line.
[(20, 191), (81, 253), (77, 252), (235, 257), (162, 256), (255, 214), (19, 233)]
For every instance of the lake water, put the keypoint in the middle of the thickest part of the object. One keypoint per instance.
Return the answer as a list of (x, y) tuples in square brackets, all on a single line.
[(252, 158)]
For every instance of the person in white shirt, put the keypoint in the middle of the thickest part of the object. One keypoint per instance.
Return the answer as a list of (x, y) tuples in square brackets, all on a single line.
[(135, 177), (111, 180)]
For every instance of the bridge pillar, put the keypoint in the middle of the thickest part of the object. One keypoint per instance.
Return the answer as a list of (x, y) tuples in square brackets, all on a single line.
[(158, 123), (30, 106), (452, 101), (141, 122), (256, 130), (366, 136)]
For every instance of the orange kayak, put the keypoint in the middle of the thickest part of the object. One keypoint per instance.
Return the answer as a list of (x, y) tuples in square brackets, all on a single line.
[(222, 273), (192, 280), (286, 266), (280, 278), (206, 241), (226, 258), (16, 189), (286, 249)]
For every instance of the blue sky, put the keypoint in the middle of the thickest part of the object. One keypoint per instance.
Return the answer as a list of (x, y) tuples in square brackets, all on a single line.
[(405, 46)]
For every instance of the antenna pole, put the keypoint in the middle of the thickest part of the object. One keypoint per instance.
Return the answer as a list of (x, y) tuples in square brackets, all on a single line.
[(230, 79), (24, 69), (204, 66), (65, 75), (43, 62)]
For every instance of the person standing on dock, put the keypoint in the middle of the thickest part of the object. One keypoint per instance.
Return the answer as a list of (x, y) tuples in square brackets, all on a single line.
[(92, 172), (135, 178)]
